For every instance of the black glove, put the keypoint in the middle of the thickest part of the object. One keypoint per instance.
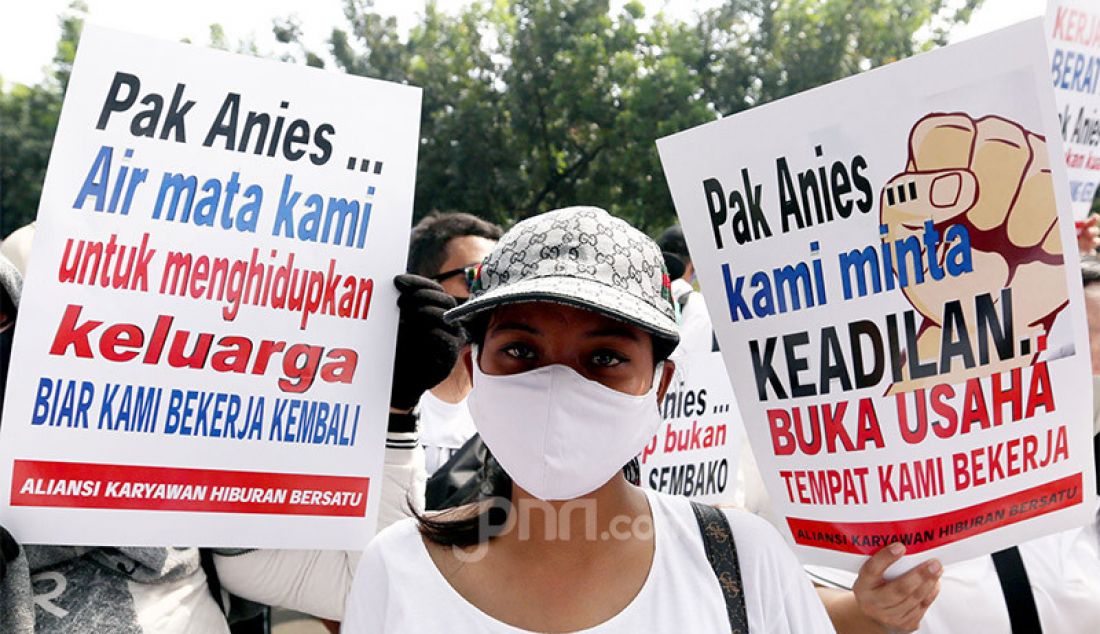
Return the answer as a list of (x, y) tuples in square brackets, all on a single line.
[(9, 550), (427, 346)]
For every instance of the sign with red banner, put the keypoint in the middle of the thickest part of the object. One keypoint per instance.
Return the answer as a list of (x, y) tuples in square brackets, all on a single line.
[(206, 336), (891, 269)]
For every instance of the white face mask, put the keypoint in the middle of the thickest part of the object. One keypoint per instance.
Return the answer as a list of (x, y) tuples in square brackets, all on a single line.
[(557, 434)]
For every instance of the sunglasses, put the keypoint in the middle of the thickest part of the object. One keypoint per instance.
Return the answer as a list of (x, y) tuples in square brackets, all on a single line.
[(469, 273)]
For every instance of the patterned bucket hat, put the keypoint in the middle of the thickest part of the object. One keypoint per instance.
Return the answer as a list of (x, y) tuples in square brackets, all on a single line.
[(579, 256)]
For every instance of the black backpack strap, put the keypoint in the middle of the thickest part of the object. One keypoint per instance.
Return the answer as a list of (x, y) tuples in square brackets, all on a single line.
[(244, 617), (1022, 613), (722, 555), (460, 479), (206, 558), (1095, 453)]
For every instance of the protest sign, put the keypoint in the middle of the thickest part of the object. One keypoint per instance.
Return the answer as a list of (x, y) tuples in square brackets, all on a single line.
[(204, 346), (1073, 36), (890, 267), (695, 453)]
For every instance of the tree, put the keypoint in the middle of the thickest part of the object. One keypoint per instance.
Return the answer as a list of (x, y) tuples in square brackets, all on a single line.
[(535, 104), (28, 118)]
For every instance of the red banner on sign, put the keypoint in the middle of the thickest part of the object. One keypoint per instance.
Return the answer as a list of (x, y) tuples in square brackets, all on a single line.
[(101, 486), (921, 534)]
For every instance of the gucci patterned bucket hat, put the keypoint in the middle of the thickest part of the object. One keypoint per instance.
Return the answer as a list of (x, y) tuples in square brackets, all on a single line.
[(579, 256)]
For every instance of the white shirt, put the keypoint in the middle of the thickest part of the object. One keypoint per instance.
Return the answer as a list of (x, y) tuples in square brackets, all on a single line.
[(444, 428), (399, 589), (696, 331), (1064, 571)]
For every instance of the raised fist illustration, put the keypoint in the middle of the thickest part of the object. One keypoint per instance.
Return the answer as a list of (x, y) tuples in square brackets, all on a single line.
[(993, 177)]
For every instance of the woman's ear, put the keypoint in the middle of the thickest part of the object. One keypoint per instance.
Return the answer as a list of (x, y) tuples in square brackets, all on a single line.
[(668, 369), (467, 358)]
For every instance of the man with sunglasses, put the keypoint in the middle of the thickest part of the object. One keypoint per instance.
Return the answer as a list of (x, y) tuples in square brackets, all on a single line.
[(696, 331), (446, 247)]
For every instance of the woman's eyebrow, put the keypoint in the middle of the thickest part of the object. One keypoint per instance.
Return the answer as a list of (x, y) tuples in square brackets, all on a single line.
[(515, 325), (613, 331)]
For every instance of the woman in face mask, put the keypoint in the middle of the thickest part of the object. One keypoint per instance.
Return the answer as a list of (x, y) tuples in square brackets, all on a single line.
[(573, 319)]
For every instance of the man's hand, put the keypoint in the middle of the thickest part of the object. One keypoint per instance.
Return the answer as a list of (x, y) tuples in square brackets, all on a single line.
[(427, 346), (9, 550), (993, 177), (1088, 235), (897, 605)]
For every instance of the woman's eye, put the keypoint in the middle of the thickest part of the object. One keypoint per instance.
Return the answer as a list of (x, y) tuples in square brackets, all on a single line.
[(519, 351), (607, 359)]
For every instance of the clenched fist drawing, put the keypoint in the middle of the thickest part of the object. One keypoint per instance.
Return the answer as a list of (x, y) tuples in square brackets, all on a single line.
[(993, 177)]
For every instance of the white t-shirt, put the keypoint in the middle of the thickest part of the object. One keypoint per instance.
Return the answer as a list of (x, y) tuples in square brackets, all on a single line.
[(696, 331), (444, 428), (399, 589), (1064, 571)]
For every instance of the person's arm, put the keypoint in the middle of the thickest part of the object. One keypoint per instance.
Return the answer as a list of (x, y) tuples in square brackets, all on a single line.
[(875, 605), (312, 581), (404, 477), (1088, 235), (317, 582)]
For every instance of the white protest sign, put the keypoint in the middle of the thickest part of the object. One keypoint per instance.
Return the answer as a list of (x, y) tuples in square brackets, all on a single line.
[(696, 450), (1073, 36), (892, 277), (204, 346)]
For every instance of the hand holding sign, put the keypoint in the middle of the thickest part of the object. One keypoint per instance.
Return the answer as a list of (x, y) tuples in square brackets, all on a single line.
[(1088, 234), (899, 604), (427, 346), (992, 177)]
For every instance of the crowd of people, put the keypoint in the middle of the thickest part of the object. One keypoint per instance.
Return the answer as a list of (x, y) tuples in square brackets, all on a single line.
[(529, 370)]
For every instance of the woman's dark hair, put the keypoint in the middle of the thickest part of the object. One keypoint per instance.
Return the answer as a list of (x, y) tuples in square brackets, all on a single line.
[(466, 525)]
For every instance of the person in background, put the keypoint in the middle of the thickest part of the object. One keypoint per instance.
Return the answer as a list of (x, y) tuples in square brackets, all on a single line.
[(445, 247), (16, 247), (11, 283), (696, 331), (1048, 585)]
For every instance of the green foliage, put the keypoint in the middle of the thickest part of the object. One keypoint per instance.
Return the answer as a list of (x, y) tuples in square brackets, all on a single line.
[(534, 104), (28, 118)]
